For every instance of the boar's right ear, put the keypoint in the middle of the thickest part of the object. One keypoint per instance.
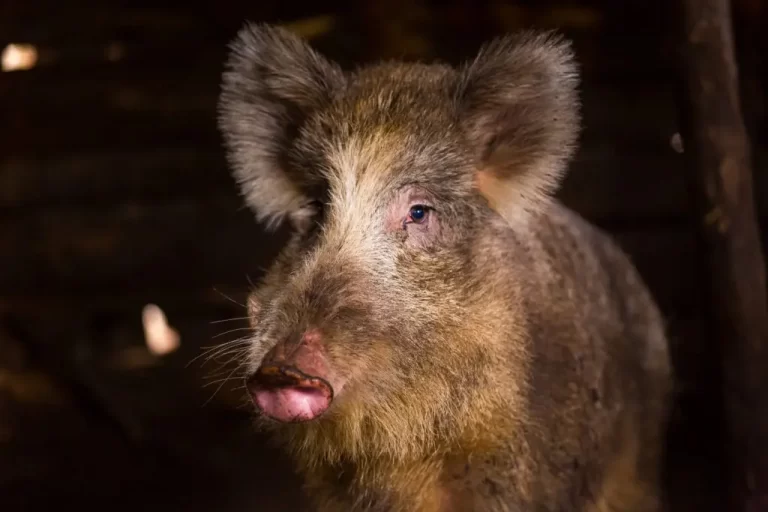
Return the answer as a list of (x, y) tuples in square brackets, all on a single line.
[(519, 107), (272, 81)]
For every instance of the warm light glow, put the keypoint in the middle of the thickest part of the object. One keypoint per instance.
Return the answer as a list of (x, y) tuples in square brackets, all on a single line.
[(677, 143), (311, 28), (18, 57), (114, 52), (161, 339)]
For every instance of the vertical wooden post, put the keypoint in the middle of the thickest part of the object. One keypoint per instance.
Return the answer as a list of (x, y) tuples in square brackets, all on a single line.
[(718, 157)]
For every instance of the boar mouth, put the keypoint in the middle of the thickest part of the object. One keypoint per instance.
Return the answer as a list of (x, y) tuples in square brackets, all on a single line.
[(286, 394)]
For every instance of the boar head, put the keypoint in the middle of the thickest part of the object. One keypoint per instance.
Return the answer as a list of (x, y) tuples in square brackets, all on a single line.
[(390, 315)]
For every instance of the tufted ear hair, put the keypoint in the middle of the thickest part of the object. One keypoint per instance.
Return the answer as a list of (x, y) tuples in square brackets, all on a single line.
[(272, 81), (518, 105)]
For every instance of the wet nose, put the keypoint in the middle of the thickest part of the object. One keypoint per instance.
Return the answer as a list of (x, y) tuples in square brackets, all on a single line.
[(292, 382)]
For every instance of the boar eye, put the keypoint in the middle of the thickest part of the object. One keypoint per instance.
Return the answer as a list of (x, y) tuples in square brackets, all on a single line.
[(418, 213)]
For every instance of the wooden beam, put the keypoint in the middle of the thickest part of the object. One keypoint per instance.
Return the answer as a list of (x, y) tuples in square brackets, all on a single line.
[(719, 160)]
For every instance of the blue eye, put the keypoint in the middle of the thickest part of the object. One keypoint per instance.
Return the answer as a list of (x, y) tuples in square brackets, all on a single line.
[(418, 213)]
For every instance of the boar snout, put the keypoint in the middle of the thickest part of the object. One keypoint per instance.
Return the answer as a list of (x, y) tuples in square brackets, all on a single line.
[(293, 384)]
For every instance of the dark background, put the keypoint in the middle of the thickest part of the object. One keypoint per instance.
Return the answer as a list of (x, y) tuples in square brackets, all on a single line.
[(114, 194)]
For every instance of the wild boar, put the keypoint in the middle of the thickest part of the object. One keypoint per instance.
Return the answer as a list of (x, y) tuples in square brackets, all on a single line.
[(440, 333)]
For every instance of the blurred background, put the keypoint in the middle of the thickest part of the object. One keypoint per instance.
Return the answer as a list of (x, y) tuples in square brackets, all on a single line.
[(126, 254)]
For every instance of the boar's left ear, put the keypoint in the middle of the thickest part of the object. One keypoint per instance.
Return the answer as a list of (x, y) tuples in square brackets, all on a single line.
[(272, 82), (518, 104)]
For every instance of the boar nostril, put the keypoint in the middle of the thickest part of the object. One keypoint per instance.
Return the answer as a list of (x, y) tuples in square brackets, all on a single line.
[(277, 375)]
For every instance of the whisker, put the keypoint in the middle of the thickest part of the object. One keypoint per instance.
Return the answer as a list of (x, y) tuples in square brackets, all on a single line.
[(234, 353), (222, 384), (245, 402), (217, 374), (231, 331), (229, 320), (220, 381), (226, 343), (215, 350), (233, 301)]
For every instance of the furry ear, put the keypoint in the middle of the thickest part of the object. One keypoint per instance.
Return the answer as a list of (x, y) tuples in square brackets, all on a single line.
[(272, 81), (518, 103)]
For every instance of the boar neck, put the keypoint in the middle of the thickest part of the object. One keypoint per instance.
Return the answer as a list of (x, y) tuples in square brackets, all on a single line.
[(467, 478)]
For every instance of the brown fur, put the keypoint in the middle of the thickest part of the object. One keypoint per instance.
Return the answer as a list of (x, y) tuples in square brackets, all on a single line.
[(504, 356)]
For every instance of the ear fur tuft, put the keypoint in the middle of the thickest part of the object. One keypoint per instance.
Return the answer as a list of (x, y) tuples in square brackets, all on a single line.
[(272, 81), (519, 106)]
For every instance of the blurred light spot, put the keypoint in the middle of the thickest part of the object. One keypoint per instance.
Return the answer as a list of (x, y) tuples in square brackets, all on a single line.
[(310, 28), (160, 338), (18, 57), (29, 387), (114, 52), (128, 99), (677, 143), (134, 358), (576, 17)]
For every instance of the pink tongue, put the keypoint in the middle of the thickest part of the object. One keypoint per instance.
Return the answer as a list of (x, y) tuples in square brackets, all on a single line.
[(290, 404)]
